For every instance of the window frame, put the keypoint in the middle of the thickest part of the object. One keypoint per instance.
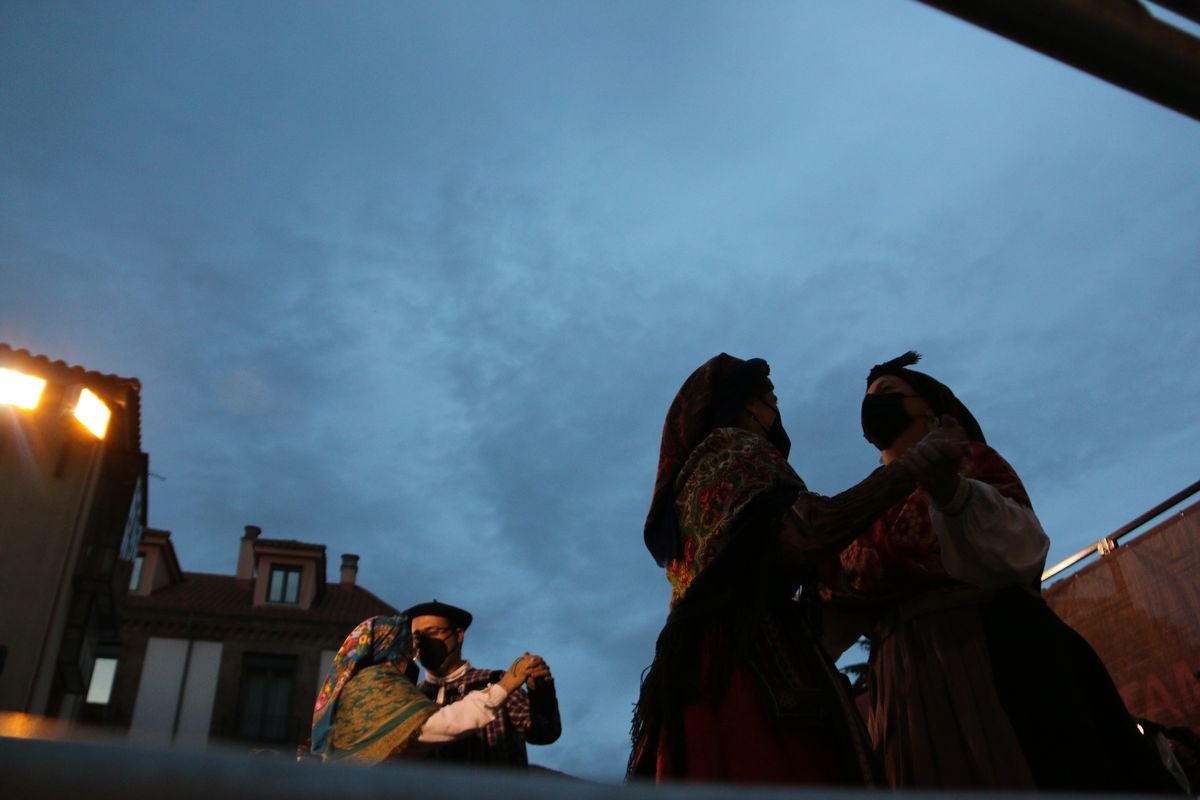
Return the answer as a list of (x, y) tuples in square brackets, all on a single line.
[(277, 675), (285, 572)]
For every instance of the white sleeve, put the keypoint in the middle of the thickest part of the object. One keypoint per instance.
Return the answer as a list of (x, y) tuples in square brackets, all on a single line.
[(463, 716), (987, 539)]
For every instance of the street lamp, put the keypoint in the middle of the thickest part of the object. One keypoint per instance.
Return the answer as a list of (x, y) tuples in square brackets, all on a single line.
[(92, 412), (20, 390), (25, 392)]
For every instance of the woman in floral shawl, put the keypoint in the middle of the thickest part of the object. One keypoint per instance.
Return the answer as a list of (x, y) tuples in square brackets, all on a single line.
[(739, 689), (973, 680), (369, 709)]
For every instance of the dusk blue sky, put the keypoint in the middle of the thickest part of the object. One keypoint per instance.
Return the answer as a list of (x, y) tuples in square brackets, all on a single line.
[(418, 281)]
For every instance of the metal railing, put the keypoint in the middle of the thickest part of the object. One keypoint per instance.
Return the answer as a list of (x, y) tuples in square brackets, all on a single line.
[(1109, 543), (1118, 41)]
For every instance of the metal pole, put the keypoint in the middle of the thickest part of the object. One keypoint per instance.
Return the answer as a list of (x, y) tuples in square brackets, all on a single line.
[(1184, 8), (1178, 497), (1110, 541), (1116, 40)]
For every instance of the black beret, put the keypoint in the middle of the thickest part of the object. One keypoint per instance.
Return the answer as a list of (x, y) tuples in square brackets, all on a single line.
[(460, 617)]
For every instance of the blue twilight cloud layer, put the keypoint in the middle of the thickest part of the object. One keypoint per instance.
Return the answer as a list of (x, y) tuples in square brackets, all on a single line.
[(419, 281)]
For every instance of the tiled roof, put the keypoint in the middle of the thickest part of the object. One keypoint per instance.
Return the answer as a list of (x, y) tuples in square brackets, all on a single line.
[(228, 596), (126, 392)]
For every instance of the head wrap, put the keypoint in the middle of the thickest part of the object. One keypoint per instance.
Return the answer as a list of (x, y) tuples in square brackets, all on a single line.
[(712, 397), (460, 618), (375, 641), (939, 397)]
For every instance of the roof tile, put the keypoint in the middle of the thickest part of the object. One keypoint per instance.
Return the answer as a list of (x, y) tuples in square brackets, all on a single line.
[(226, 595)]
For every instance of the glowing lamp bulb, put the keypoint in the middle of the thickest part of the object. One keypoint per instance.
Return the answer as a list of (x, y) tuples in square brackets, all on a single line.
[(20, 390), (93, 413)]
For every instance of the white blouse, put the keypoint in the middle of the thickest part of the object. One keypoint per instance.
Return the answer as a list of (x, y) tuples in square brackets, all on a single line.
[(470, 713), (987, 539)]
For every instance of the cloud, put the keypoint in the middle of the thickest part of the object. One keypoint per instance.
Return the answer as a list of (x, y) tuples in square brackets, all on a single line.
[(419, 283)]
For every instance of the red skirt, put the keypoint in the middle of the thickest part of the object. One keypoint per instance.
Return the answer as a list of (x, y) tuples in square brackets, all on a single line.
[(737, 741)]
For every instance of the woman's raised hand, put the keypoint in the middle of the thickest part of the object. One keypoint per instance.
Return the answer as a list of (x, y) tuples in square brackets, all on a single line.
[(936, 458)]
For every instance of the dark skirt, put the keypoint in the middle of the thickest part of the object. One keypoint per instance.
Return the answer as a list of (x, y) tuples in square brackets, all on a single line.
[(782, 714), (995, 691), (1073, 726)]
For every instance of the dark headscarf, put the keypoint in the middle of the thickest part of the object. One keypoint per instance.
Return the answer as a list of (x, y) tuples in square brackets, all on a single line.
[(711, 398), (939, 397)]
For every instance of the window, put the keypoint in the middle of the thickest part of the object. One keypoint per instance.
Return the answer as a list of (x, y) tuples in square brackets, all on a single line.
[(100, 689), (135, 577), (265, 699), (284, 586)]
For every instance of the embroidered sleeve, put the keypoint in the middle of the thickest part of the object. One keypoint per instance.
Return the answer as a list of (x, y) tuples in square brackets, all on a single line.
[(817, 526)]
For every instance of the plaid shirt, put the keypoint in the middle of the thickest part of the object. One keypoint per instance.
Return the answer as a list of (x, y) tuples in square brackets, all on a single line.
[(524, 717)]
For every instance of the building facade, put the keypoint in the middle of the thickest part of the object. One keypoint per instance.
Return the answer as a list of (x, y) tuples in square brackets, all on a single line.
[(72, 510), (229, 660)]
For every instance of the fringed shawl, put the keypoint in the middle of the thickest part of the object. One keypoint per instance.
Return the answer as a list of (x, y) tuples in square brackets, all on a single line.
[(710, 398), (727, 471), (379, 712), (730, 494), (366, 699)]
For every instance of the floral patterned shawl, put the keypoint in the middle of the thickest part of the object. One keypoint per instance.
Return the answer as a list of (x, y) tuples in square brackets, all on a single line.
[(367, 707), (729, 469), (710, 398)]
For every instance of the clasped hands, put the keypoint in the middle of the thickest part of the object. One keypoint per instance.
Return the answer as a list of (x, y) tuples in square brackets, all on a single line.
[(936, 458), (527, 669)]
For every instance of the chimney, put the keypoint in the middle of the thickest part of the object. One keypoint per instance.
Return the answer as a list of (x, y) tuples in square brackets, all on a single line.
[(245, 567), (349, 569)]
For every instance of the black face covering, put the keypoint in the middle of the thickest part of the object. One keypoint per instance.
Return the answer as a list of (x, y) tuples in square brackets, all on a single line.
[(884, 418), (776, 434), (432, 652), (779, 437)]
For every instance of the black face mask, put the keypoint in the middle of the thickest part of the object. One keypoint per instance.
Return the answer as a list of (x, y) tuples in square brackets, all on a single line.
[(779, 437), (432, 652), (776, 434), (884, 418)]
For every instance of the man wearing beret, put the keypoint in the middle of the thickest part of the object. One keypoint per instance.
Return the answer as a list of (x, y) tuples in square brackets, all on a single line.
[(530, 715)]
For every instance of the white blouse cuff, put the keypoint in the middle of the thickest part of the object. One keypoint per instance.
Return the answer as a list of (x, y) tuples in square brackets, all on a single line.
[(463, 716)]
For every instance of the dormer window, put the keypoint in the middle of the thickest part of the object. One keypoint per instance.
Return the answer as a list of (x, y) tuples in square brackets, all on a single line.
[(284, 586), (282, 571)]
